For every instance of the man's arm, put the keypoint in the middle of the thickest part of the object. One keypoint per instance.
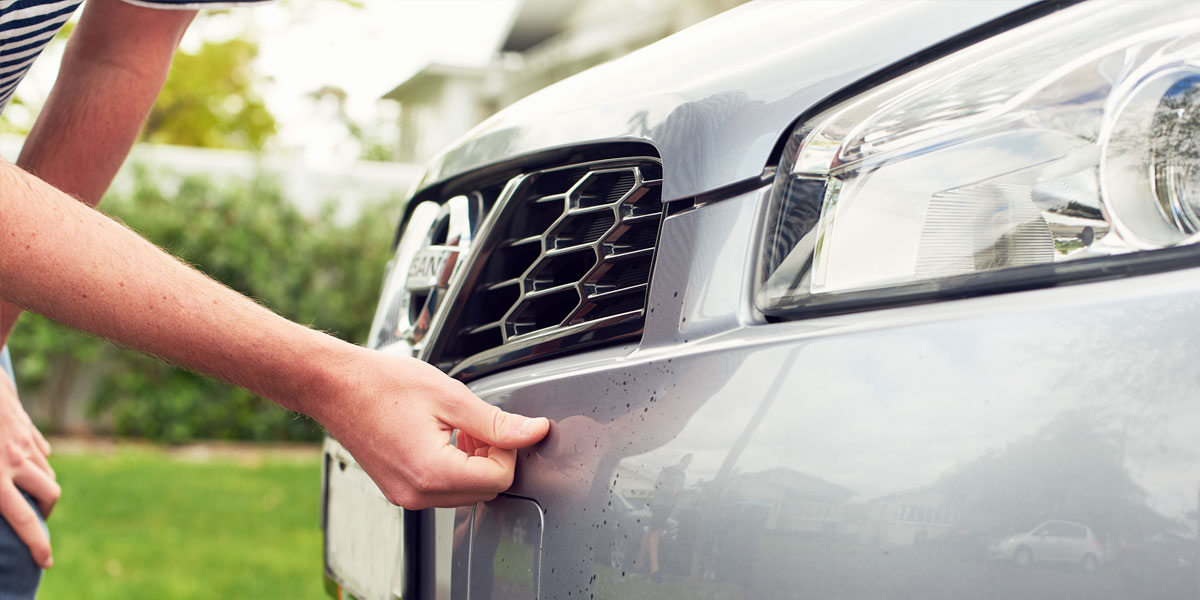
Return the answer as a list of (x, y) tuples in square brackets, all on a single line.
[(395, 415), (73, 264), (114, 66)]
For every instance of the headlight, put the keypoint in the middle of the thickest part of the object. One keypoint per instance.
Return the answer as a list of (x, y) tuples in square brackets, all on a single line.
[(1047, 153)]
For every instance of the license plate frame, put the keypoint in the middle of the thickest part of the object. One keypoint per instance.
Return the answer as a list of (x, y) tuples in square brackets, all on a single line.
[(363, 532)]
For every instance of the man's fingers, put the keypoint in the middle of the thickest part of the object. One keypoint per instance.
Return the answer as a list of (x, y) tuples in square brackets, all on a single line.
[(452, 472), (454, 479), (42, 442), (40, 461), (495, 427), (466, 443), (41, 486), (457, 500), (22, 518)]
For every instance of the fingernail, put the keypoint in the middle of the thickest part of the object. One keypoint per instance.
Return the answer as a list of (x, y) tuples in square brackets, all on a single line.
[(49, 563), (531, 424)]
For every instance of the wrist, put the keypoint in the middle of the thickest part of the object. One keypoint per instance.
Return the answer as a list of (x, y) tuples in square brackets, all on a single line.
[(319, 369)]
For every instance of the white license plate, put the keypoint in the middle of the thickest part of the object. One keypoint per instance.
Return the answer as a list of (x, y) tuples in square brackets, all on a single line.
[(363, 531)]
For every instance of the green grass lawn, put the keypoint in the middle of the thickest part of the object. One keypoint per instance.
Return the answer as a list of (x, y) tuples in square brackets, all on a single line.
[(141, 522)]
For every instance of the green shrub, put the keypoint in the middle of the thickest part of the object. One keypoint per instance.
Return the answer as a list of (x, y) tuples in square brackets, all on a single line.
[(248, 236)]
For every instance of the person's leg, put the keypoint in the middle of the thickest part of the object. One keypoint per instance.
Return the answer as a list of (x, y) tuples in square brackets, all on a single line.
[(19, 575), (653, 545)]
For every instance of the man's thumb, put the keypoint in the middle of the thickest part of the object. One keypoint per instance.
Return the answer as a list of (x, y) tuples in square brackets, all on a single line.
[(504, 429)]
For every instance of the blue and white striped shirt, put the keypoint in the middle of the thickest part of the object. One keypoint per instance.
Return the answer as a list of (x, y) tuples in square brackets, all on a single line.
[(26, 26)]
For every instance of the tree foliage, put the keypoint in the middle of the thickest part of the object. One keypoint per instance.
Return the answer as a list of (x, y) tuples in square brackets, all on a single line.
[(1072, 469), (209, 100)]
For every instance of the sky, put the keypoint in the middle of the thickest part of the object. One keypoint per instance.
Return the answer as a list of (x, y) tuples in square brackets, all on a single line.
[(365, 48)]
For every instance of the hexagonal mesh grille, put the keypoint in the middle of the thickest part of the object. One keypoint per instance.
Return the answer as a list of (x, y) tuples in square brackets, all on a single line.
[(570, 253)]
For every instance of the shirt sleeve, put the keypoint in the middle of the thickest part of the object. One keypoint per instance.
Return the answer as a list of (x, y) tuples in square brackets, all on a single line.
[(194, 4)]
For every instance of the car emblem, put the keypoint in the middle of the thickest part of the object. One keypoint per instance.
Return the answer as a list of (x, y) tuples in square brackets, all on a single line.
[(446, 236)]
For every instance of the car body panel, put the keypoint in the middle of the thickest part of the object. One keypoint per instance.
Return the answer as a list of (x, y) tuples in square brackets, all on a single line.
[(715, 98), (838, 456), (873, 454)]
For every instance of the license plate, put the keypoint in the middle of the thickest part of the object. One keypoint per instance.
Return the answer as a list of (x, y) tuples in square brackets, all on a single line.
[(363, 531)]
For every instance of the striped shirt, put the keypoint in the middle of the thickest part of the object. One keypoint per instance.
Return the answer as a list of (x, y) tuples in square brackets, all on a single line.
[(26, 26)]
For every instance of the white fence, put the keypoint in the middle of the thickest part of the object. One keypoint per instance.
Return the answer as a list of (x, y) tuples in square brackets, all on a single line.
[(307, 186)]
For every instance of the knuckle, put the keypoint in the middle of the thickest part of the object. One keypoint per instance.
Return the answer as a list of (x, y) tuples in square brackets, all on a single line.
[(399, 499), (426, 482), (499, 420), (13, 456), (408, 500), (22, 519)]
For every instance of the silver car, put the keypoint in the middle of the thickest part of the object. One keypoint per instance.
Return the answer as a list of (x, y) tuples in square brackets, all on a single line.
[(832, 294), (1060, 542)]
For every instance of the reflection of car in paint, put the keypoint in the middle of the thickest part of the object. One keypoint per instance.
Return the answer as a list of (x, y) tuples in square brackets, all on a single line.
[(895, 275), (1052, 542)]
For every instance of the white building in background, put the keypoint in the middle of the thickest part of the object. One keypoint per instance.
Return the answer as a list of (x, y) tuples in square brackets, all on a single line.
[(548, 40), (794, 501), (911, 517)]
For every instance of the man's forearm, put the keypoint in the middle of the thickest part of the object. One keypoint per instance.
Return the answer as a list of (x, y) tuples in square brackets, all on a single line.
[(395, 414), (106, 86), (77, 266)]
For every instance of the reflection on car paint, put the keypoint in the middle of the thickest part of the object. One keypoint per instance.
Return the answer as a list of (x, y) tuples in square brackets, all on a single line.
[(883, 462), (503, 540)]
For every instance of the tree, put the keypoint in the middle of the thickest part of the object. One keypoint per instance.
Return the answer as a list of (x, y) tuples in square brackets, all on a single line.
[(209, 100), (1071, 469)]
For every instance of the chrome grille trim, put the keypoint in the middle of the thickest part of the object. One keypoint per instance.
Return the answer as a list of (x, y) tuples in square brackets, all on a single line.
[(562, 260)]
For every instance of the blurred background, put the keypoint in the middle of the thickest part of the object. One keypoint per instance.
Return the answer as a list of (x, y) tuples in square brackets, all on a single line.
[(277, 159)]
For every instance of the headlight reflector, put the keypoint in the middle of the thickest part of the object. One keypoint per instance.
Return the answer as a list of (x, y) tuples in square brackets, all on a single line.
[(1075, 137)]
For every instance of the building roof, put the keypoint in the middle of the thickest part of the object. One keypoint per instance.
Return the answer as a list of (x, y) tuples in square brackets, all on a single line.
[(800, 484), (535, 22)]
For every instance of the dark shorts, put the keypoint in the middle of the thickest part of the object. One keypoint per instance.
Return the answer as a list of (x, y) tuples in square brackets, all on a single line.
[(19, 575)]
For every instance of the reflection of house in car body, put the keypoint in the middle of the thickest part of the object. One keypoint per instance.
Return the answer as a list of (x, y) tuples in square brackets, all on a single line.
[(634, 484), (794, 501), (910, 517)]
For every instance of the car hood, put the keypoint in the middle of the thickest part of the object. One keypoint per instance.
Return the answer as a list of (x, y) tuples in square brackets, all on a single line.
[(715, 98)]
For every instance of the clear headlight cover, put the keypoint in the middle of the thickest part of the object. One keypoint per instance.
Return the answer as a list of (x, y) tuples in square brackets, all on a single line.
[(1043, 154)]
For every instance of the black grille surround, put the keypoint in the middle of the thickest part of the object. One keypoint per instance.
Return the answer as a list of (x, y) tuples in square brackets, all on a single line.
[(561, 262)]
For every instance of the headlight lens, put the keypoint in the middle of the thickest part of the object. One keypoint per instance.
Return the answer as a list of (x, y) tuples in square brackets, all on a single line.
[(1071, 139)]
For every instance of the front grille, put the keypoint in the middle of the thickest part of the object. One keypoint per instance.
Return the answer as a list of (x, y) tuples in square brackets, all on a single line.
[(565, 262)]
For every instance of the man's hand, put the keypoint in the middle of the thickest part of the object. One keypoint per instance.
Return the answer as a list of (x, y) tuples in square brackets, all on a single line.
[(396, 415), (23, 464)]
